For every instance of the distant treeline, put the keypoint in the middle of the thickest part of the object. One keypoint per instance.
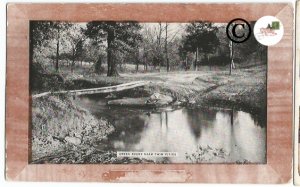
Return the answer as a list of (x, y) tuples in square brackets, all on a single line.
[(168, 46)]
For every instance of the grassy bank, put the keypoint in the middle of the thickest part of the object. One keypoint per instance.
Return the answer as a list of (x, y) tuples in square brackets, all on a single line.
[(63, 132), (245, 88), (58, 125)]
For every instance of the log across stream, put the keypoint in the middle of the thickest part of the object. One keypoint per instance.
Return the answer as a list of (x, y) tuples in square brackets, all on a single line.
[(108, 89), (240, 135)]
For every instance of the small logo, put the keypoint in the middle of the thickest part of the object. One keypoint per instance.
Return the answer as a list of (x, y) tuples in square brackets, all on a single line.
[(238, 30), (268, 30)]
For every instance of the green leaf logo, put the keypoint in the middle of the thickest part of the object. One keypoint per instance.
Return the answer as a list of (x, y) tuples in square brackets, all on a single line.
[(275, 25)]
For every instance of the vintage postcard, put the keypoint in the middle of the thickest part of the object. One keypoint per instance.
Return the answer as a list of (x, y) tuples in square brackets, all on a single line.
[(131, 92), (150, 92)]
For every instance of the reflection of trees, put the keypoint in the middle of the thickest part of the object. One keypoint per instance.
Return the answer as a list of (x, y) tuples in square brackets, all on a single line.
[(128, 129), (199, 118), (260, 119), (163, 133), (164, 121), (233, 139), (233, 115)]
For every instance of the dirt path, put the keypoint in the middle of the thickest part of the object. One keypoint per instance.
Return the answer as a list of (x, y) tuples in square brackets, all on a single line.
[(245, 86), (170, 77)]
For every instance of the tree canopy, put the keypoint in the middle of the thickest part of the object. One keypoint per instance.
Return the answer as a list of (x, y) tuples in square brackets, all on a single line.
[(119, 36), (124, 46)]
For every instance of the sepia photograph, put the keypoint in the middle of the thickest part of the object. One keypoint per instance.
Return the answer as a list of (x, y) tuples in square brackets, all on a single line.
[(127, 92)]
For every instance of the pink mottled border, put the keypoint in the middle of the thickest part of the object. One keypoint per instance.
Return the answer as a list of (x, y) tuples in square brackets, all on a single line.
[(280, 87)]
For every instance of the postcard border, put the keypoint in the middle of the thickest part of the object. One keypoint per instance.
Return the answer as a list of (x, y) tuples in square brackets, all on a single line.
[(279, 87)]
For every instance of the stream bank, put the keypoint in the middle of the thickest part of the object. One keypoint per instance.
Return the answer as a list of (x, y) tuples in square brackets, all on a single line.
[(64, 131), (59, 125)]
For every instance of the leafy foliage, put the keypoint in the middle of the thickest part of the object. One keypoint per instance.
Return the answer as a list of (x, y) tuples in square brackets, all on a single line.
[(120, 45), (201, 35), (120, 37)]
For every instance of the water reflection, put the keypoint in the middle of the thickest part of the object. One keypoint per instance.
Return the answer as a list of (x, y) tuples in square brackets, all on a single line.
[(235, 132), (238, 133)]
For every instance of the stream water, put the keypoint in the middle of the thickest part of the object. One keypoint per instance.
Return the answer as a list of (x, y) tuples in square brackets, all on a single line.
[(240, 135)]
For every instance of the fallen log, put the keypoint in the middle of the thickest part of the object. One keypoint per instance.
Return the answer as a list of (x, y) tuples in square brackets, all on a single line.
[(155, 100), (89, 91), (130, 102)]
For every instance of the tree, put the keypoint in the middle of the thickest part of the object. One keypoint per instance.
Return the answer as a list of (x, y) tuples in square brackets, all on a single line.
[(166, 48), (44, 31), (247, 53), (200, 37), (159, 39), (183, 53), (148, 45), (76, 40), (58, 29), (120, 36), (136, 58), (159, 57), (231, 57), (250, 46), (94, 52), (38, 33), (152, 44)]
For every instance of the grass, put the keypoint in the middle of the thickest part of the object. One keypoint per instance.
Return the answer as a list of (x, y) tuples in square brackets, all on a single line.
[(244, 88), (55, 118)]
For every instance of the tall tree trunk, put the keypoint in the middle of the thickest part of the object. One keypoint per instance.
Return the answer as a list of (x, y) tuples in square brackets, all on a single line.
[(136, 59), (57, 50), (145, 59), (111, 63), (166, 49), (110, 38), (73, 61), (98, 65), (137, 67), (231, 56), (146, 64), (186, 64), (159, 47), (196, 59)]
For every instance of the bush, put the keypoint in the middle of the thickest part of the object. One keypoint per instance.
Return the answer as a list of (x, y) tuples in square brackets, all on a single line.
[(41, 80), (216, 61)]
